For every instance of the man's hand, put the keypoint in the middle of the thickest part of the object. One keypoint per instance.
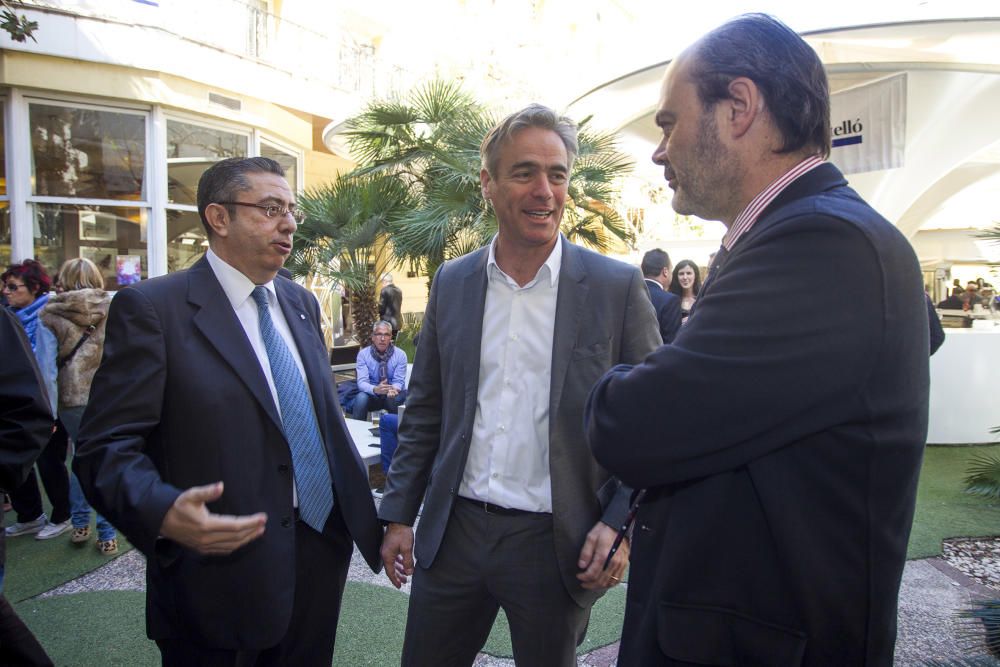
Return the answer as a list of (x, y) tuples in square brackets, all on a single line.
[(397, 553), (382, 388), (189, 522), (595, 551)]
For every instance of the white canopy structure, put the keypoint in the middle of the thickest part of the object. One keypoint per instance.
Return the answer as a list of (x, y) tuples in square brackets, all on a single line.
[(952, 126)]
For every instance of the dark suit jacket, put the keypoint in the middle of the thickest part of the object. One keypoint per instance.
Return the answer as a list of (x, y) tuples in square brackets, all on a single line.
[(390, 305), (668, 309), (934, 324), (782, 445), (603, 317), (25, 418), (180, 400)]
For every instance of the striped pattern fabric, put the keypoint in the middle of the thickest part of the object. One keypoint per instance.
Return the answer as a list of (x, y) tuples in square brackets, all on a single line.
[(312, 472), (745, 220)]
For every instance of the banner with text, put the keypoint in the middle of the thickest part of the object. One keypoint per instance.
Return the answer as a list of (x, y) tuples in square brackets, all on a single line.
[(869, 126)]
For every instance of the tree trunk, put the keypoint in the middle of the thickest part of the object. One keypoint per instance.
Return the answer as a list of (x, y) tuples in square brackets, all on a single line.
[(364, 313)]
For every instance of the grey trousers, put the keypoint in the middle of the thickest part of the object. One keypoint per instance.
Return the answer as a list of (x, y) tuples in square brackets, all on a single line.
[(487, 562)]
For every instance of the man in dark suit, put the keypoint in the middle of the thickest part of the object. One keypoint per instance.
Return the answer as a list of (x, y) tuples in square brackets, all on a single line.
[(213, 440), (780, 447), (657, 270), (516, 512), (390, 304), (25, 428)]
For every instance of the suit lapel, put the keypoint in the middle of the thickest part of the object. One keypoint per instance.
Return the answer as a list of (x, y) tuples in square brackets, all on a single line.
[(473, 296), (222, 329), (302, 330), (570, 307)]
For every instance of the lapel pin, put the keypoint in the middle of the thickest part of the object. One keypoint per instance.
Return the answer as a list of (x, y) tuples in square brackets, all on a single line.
[(301, 316)]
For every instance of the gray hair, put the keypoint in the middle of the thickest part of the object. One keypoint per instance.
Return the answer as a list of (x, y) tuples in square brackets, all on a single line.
[(381, 323), (533, 115)]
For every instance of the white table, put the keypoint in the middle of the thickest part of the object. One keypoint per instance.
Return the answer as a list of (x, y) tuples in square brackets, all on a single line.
[(363, 439), (964, 387)]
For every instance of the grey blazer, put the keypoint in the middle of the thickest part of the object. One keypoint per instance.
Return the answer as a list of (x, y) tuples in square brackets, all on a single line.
[(603, 317)]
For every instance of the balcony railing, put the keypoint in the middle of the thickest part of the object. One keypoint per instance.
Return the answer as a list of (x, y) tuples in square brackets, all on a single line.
[(244, 28)]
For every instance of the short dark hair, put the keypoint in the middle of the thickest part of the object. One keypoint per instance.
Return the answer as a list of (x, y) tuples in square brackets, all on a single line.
[(533, 115), (654, 261), (785, 68), (32, 274), (224, 179)]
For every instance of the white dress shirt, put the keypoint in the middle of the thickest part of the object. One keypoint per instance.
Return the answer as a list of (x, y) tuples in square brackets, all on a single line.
[(508, 463), (238, 289)]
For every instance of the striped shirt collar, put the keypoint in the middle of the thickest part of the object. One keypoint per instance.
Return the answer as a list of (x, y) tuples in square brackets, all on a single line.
[(745, 220)]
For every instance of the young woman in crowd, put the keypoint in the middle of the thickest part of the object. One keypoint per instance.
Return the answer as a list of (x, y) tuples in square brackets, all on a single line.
[(685, 284)]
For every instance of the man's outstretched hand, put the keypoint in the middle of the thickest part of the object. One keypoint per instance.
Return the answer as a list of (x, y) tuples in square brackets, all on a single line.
[(189, 522)]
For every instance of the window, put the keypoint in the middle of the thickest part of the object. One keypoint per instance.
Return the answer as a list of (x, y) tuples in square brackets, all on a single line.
[(286, 158), (113, 238), (191, 149), (88, 188), (89, 153)]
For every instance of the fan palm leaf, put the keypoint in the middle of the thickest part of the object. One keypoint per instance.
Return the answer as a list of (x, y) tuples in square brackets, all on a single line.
[(982, 475), (429, 141)]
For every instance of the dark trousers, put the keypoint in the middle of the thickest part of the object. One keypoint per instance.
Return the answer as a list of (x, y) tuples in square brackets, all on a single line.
[(320, 574), (27, 498), (488, 562), (17, 645)]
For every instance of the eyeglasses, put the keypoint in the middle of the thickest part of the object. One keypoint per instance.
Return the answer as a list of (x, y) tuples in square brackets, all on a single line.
[(12, 287), (271, 210)]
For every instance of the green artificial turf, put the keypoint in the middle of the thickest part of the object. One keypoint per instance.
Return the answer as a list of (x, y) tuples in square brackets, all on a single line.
[(92, 629), (35, 566), (943, 508), (108, 627), (372, 621)]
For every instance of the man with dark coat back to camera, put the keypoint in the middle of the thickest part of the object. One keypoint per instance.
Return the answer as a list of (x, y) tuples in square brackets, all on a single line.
[(656, 271), (25, 427), (780, 449), (214, 441)]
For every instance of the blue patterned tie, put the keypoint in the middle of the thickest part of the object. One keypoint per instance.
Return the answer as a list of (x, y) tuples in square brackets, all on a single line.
[(312, 474)]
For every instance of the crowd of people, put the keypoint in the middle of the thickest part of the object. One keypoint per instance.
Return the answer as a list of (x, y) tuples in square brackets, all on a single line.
[(64, 321), (977, 295), (568, 416)]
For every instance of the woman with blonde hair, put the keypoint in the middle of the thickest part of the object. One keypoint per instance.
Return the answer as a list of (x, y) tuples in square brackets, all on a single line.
[(78, 316)]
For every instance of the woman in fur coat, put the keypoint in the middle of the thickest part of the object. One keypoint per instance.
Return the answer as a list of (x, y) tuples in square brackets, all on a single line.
[(78, 314)]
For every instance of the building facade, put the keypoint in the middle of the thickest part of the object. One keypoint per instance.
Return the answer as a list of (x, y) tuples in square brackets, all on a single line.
[(110, 118)]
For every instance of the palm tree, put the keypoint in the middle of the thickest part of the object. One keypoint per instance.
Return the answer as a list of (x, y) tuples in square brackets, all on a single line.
[(345, 238), (431, 142)]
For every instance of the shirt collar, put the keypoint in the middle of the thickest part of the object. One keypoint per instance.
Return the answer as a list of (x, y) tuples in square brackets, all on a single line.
[(236, 285), (653, 282), (553, 262), (746, 219)]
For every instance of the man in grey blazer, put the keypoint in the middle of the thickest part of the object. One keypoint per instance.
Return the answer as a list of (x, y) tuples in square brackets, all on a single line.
[(517, 514)]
